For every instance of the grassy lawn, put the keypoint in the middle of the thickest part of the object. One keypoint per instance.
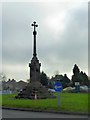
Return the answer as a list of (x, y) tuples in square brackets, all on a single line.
[(75, 102)]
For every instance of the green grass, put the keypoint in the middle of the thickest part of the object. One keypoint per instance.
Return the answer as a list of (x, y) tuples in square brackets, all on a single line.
[(0, 99), (74, 102)]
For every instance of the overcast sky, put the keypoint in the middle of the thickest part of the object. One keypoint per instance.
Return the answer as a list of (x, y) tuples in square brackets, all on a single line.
[(62, 38)]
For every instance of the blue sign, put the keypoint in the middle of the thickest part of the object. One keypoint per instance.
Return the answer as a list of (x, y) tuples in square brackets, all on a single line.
[(58, 87)]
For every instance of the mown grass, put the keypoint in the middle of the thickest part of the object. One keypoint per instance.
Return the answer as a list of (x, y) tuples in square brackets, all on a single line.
[(74, 102), (0, 99)]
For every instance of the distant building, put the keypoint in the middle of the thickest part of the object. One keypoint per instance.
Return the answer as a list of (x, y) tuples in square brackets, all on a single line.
[(56, 78), (13, 85), (64, 80)]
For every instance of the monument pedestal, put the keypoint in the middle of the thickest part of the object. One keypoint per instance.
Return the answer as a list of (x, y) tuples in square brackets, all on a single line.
[(35, 90)]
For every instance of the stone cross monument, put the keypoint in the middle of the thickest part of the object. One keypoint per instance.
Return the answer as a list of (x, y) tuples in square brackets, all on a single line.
[(34, 89), (34, 65)]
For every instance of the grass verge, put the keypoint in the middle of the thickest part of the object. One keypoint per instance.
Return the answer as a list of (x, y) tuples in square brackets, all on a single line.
[(71, 102)]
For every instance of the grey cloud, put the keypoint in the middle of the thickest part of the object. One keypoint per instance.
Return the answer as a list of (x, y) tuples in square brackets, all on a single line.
[(74, 46), (61, 53)]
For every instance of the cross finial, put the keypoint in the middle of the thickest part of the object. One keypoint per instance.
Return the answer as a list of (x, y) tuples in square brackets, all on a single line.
[(34, 34), (34, 24)]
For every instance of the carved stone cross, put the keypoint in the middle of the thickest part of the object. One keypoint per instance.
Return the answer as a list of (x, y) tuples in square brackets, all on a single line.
[(34, 24), (34, 33)]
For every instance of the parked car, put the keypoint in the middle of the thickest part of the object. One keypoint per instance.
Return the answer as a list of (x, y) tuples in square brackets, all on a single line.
[(84, 88), (51, 90), (69, 89)]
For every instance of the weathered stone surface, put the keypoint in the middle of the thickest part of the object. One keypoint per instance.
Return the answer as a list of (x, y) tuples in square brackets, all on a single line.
[(35, 90), (34, 69)]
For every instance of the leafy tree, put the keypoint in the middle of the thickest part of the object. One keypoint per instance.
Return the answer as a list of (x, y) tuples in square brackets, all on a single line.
[(43, 79), (65, 81), (80, 77), (86, 80), (50, 85)]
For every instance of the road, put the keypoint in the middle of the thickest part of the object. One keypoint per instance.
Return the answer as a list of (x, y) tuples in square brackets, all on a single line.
[(0, 113), (28, 114)]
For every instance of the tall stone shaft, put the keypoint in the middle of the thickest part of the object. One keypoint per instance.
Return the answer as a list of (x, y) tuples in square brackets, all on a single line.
[(34, 48), (34, 65), (34, 33)]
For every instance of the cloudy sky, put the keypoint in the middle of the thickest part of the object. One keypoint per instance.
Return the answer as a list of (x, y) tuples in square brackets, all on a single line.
[(62, 38)]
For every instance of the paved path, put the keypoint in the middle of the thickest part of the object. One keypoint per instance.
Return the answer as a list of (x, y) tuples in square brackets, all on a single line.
[(29, 114), (0, 113)]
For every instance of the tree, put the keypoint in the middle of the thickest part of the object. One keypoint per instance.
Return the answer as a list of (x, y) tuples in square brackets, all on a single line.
[(76, 70), (65, 81), (43, 79), (80, 77), (86, 80), (50, 85)]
